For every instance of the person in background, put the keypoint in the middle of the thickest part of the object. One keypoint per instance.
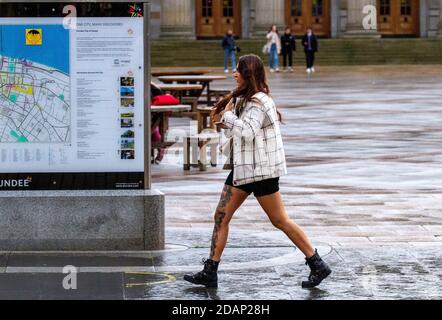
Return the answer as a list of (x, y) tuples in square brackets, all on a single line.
[(155, 90), (310, 43), (155, 123), (274, 48), (229, 47), (288, 43)]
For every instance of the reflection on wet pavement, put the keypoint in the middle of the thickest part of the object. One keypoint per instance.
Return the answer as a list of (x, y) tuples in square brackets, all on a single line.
[(360, 272)]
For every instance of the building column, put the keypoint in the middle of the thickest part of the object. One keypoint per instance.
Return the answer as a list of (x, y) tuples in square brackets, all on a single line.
[(433, 18), (440, 19), (246, 18), (267, 13), (335, 10), (178, 18), (155, 19), (430, 18), (355, 17)]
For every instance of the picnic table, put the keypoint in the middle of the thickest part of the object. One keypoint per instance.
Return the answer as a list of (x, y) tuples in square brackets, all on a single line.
[(179, 87), (173, 108), (164, 113), (197, 72), (186, 93), (181, 90), (204, 80)]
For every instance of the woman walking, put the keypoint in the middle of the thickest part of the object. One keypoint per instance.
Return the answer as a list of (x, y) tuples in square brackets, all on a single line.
[(252, 124), (274, 48)]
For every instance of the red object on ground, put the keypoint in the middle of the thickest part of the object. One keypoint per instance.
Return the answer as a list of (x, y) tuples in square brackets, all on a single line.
[(165, 100)]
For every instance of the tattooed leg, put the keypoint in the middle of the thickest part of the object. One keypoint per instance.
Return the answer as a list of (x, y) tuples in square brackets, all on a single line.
[(231, 200), (219, 217)]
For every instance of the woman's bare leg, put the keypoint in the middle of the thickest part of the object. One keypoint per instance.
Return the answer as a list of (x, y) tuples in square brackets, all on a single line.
[(231, 199), (274, 208)]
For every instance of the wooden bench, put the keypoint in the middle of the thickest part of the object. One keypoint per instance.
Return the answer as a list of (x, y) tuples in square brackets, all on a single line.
[(163, 121), (171, 108), (162, 145), (178, 72), (193, 112), (204, 80), (195, 150), (203, 115), (193, 101), (218, 94), (166, 112)]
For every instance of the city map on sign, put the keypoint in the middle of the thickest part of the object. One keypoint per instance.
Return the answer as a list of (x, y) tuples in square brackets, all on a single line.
[(34, 84)]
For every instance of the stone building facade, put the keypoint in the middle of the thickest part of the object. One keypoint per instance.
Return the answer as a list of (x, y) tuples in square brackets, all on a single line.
[(202, 19)]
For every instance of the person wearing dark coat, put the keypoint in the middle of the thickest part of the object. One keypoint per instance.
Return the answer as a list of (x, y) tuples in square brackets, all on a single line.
[(229, 47), (288, 45), (310, 44)]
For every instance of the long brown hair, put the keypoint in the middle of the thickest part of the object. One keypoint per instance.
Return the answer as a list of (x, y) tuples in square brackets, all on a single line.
[(271, 28), (253, 73)]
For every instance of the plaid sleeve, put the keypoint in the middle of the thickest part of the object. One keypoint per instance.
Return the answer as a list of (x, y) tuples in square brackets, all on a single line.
[(250, 124), (228, 119), (228, 133)]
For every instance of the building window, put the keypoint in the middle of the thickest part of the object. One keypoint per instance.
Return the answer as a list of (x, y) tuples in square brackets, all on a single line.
[(406, 7), (228, 8), (207, 8), (317, 8), (385, 8), (296, 8)]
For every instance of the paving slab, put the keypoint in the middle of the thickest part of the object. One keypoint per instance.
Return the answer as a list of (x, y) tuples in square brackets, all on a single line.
[(3, 260), (28, 286), (58, 260)]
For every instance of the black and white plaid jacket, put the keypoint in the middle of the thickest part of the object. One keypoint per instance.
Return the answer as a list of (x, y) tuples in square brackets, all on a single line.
[(258, 151)]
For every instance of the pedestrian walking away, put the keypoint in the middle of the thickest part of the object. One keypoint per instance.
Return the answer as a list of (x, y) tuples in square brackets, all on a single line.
[(273, 48), (252, 124), (288, 44), (229, 47), (310, 43)]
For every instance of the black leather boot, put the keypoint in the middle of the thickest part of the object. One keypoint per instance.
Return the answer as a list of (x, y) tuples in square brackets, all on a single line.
[(208, 277), (319, 271)]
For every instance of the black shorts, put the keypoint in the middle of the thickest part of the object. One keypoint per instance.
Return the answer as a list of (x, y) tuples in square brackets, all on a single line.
[(259, 188)]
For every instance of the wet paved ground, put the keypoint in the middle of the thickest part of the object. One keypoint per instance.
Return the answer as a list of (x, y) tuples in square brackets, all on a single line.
[(364, 153)]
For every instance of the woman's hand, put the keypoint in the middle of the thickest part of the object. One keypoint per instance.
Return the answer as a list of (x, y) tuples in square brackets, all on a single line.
[(220, 125)]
